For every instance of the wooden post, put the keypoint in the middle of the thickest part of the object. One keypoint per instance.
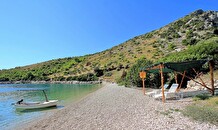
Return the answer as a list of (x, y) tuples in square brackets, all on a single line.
[(162, 82), (183, 76), (175, 74), (143, 76), (196, 81), (211, 76), (143, 83), (198, 75)]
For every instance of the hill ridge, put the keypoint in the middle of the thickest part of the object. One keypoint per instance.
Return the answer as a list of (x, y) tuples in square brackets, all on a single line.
[(110, 63)]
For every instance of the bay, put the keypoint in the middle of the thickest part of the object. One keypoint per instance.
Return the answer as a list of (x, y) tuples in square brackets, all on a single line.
[(11, 93)]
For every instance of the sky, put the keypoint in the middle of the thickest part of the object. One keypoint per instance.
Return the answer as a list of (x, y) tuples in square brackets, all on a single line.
[(33, 31)]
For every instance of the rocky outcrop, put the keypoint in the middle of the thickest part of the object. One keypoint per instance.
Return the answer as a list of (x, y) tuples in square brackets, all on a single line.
[(191, 85)]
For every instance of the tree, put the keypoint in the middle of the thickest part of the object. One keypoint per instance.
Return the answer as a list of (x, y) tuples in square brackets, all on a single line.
[(98, 72), (28, 76), (132, 77)]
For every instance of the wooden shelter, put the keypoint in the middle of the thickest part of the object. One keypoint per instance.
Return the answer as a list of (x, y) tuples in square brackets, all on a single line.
[(180, 68)]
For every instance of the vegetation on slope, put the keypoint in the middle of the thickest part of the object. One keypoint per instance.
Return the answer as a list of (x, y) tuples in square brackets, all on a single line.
[(114, 63), (202, 50), (205, 49)]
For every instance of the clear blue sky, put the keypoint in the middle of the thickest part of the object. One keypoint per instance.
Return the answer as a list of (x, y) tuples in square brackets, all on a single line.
[(33, 31)]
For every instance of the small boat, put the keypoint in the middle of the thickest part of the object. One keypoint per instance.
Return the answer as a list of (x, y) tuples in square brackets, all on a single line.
[(36, 105)]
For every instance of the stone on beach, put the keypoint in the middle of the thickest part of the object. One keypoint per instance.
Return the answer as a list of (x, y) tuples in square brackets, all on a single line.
[(117, 107)]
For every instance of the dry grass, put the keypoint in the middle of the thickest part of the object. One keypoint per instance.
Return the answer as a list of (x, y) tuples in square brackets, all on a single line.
[(204, 110)]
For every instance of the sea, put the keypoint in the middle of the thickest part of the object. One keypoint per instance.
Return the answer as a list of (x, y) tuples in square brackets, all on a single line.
[(11, 93)]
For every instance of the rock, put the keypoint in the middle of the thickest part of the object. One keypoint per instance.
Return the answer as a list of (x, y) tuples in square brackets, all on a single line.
[(193, 85), (115, 108)]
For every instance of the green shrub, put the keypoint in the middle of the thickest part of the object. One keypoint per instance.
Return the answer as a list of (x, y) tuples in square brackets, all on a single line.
[(171, 46), (154, 45), (98, 72), (108, 74), (86, 77), (136, 43), (4, 79), (69, 78), (132, 77), (201, 97), (59, 78), (149, 35)]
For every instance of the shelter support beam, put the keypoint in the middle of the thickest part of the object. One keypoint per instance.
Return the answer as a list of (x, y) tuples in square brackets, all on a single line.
[(154, 67), (142, 75), (162, 82), (180, 67), (183, 76), (199, 77), (143, 83), (175, 74), (196, 81), (211, 76)]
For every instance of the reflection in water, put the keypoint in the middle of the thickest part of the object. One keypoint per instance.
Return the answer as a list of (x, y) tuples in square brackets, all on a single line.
[(22, 111), (11, 93)]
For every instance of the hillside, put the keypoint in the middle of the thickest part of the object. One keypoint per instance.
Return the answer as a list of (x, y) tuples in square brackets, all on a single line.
[(110, 64)]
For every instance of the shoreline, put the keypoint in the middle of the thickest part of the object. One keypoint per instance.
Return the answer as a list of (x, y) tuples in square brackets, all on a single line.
[(118, 107), (51, 82), (48, 113), (29, 124)]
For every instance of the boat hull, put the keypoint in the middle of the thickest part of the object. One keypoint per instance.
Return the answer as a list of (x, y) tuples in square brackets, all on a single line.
[(36, 105)]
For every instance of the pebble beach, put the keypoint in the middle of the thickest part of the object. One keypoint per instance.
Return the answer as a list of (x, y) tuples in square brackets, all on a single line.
[(114, 107)]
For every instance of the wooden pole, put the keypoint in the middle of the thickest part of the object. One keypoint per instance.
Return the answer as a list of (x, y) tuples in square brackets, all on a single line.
[(143, 83), (162, 83), (211, 76), (196, 81), (183, 76), (198, 75), (175, 74), (142, 75)]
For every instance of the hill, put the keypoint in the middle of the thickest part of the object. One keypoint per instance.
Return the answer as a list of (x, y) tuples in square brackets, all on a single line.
[(112, 63)]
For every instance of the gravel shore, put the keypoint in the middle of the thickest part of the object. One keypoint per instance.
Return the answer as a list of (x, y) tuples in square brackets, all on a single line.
[(114, 107)]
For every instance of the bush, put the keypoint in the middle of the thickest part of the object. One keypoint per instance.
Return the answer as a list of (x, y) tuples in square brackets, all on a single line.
[(108, 74), (28, 76), (185, 42), (4, 79), (86, 77), (98, 72), (171, 46), (70, 78), (201, 97), (132, 77), (60, 78), (82, 78), (148, 35)]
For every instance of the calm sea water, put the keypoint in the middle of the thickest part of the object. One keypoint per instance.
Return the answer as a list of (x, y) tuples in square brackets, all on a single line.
[(11, 93)]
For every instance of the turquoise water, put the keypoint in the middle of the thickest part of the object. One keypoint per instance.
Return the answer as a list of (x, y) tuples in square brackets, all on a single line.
[(11, 93)]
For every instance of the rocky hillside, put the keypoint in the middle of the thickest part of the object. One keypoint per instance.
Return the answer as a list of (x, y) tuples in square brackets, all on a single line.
[(110, 64)]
